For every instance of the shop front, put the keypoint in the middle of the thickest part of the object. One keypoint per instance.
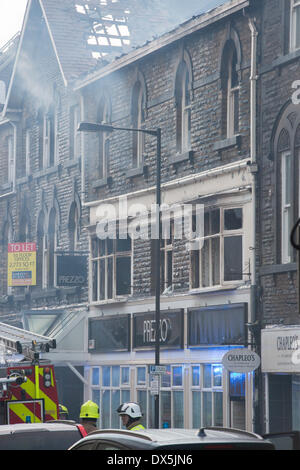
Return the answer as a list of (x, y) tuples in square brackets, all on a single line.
[(281, 369), (195, 389)]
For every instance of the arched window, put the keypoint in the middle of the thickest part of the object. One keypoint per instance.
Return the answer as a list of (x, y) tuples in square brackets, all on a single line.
[(52, 245), (138, 118), (41, 276), (183, 108), (230, 90), (286, 152), (103, 139), (73, 226)]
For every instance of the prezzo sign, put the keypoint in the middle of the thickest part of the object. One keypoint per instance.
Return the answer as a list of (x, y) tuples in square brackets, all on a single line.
[(71, 271), (241, 360), (171, 329)]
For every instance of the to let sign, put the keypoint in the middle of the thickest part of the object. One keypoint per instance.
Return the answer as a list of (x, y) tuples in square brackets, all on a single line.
[(21, 264), (241, 360)]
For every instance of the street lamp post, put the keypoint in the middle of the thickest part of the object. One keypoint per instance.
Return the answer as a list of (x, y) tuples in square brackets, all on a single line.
[(96, 127)]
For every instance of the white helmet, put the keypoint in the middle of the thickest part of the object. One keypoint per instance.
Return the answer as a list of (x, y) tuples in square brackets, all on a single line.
[(131, 409)]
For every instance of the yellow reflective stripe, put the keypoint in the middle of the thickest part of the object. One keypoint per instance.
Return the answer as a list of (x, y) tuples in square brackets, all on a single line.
[(50, 405), (22, 411), (37, 383), (136, 428)]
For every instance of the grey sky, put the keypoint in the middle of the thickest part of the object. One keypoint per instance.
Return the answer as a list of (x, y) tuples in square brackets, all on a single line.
[(11, 17)]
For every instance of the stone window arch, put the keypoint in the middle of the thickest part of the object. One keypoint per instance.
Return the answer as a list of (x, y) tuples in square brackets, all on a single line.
[(183, 92)]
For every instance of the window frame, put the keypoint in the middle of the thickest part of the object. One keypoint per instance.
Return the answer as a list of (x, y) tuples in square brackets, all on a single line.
[(286, 209), (221, 235), (114, 255), (183, 109), (202, 388), (138, 120), (295, 10)]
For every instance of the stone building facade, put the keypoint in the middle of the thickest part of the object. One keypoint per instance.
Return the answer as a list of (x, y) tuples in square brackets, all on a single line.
[(194, 84)]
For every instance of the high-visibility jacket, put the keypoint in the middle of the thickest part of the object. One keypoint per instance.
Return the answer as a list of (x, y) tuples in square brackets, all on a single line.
[(137, 428)]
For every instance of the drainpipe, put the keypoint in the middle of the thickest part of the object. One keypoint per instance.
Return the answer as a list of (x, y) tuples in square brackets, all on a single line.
[(253, 321)]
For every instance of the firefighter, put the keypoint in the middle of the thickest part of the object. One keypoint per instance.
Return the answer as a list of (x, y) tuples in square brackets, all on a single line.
[(89, 413), (63, 412), (131, 416)]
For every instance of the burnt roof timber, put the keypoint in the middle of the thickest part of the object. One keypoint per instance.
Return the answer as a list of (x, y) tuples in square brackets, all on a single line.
[(180, 32)]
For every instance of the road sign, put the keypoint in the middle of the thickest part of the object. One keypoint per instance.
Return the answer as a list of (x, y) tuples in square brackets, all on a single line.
[(155, 385), (158, 369)]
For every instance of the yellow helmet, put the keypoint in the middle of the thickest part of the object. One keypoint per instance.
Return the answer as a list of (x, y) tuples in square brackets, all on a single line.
[(89, 409)]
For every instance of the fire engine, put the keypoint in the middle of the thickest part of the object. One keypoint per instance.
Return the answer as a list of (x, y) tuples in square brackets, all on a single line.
[(28, 392)]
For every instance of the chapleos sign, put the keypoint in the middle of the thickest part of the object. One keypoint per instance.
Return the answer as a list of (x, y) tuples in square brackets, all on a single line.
[(241, 360), (21, 264)]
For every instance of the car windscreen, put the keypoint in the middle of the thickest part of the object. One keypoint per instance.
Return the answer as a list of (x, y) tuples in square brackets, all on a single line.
[(39, 440)]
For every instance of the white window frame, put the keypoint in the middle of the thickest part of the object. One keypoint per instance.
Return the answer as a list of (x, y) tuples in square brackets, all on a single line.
[(286, 208), (221, 235), (231, 97), (202, 388), (295, 10), (139, 143), (186, 115), (114, 255)]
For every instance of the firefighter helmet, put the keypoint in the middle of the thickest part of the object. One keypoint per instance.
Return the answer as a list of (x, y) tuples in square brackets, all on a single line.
[(130, 409), (89, 409)]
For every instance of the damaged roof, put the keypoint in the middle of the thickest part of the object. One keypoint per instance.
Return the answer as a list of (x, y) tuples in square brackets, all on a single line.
[(86, 35)]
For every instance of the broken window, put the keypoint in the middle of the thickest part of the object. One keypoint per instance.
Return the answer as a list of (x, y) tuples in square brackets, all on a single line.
[(111, 268), (41, 251), (221, 257), (52, 245)]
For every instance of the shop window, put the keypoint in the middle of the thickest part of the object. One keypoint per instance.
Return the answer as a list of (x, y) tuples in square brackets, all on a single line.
[(111, 268), (214, 264), (110, 392), (95, 376), (207, 395)]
